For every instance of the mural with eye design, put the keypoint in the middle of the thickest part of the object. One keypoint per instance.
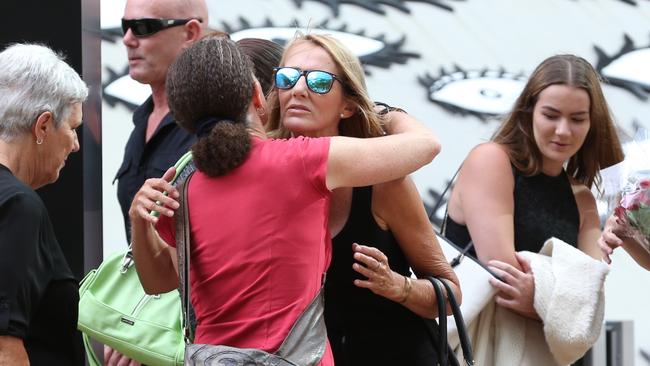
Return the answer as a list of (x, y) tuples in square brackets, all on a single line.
[(486, 94), (456, 65), (628, 68), (375, 5), (119, 88), (374, 51)]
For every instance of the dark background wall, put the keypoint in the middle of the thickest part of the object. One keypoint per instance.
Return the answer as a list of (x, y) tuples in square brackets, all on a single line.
[(58, 24)]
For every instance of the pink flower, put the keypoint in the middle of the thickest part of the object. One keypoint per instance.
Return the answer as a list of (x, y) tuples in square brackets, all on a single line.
[(631, 199), (644, 183)]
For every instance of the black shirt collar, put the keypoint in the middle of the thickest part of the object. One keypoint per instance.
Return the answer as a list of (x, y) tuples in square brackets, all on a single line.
[(142, 113)]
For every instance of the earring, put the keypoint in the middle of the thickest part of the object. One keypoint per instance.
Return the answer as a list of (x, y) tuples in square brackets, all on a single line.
[(342, 115), (39, 141)]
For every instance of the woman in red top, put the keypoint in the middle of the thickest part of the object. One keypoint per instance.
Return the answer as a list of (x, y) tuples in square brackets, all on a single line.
[(258, 207)]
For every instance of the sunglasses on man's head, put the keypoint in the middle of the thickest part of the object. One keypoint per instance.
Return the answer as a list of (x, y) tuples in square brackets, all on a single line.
[(317, 81), (147, 26)]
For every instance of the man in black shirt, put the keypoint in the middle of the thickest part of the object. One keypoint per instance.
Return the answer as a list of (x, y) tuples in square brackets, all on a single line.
[(155, 32)]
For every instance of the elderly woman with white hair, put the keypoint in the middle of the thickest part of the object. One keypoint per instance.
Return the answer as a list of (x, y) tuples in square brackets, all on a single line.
[(40, 111)]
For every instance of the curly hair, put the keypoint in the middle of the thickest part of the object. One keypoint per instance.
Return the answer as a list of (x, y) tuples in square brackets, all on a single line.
[(213, 79), (264, 55)]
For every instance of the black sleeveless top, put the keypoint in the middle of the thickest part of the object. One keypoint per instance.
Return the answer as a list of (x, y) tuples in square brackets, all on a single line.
[(364, 328), (545, 206)]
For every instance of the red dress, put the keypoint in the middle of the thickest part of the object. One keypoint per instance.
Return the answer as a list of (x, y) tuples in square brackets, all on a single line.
[(260, 243)]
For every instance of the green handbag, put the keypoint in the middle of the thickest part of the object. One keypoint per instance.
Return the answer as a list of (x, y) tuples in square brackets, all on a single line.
[(114, 310)]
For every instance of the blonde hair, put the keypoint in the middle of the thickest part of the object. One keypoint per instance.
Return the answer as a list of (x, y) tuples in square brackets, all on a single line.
[(365, 122)]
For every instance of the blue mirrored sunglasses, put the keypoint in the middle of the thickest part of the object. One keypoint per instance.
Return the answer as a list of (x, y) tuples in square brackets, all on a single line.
[(318, 81)]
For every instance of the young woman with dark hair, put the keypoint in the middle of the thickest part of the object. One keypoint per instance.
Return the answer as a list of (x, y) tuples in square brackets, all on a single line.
[(533, 182)]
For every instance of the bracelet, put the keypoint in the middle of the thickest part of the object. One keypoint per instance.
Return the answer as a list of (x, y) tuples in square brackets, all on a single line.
[(406, 289)]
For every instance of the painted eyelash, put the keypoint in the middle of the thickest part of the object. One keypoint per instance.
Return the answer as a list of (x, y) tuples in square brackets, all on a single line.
[(501, 100), (614, 74), (112, 35), (112, 90), (630, 2), (389, 53), (375, 5)]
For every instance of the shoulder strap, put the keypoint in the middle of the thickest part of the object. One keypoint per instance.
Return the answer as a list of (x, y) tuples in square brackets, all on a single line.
[(183, 255), (443, 228), (439, 203)]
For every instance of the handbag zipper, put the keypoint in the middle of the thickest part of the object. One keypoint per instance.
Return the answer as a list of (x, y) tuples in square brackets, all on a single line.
[(138, 308), (141, 304)]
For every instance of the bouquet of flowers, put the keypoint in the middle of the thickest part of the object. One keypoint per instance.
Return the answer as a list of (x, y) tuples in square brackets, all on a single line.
[(633, 176), (634, 209)]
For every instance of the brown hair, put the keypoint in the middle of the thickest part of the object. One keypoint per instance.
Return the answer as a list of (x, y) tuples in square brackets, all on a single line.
[(264, 56), (601, 147), (213, 79), (365, 122)]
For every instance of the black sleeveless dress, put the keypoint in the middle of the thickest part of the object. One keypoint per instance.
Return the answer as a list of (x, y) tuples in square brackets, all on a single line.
[(544, 207), (364, 328)]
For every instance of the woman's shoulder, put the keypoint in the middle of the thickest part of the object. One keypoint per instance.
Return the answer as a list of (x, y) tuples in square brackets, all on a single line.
[(25, 201), (13, 190), (488, 151), (384, 194), (293, 142), (487, 157)]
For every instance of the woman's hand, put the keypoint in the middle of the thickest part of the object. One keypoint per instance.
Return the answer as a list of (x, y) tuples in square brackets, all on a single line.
[(150, 197), (517, 290), (609, 240), (114, 358), (373, 264), (613, 236)]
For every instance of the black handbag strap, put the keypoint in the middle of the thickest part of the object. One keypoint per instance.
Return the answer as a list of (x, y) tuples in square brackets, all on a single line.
[(443, 347), (465, 343), (445, 353)]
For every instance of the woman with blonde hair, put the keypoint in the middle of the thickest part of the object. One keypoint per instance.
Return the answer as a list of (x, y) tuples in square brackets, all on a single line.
[(379, 231), (257, 208)]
